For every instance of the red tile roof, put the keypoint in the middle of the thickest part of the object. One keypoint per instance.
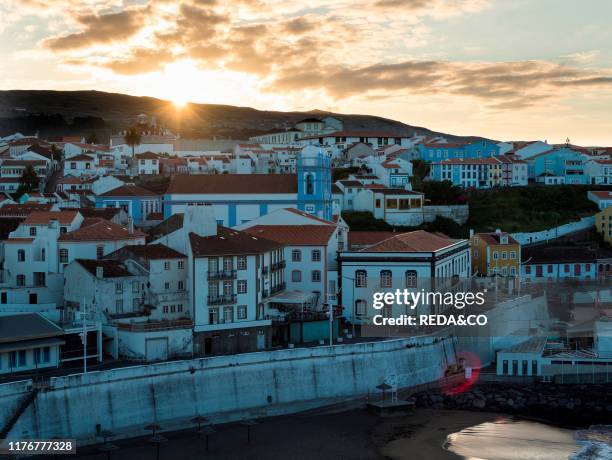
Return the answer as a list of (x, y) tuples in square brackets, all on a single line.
[(129, 190), (416, 241), (43, 217), (308, 215), (364, 238), (97, 229), (602, 195), (110, 268), (233, 183), (230, 242), (22, 210), (24, 163), (493, 238), (147, 156), (294, 235), (81, 157)]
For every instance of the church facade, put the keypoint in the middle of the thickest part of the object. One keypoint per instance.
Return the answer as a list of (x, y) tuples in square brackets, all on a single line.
[(239, 198)]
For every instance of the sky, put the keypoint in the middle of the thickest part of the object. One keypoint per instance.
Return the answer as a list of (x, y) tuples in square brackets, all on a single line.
[(504, 69)]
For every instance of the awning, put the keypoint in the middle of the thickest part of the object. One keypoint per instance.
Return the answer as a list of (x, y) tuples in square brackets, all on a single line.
[(29, 344)]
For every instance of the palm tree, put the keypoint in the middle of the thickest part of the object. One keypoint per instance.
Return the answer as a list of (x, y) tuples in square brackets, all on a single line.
[(132, 138)]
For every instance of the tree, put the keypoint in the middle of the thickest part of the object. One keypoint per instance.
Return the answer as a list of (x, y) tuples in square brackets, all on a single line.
[(56, 153), (28, 181), (132, 138), (92, 138)]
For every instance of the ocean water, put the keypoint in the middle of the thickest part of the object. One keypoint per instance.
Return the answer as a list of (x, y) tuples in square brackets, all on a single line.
[(511, 439)]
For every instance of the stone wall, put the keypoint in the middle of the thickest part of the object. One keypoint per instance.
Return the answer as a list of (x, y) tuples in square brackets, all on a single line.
[(224, 388)]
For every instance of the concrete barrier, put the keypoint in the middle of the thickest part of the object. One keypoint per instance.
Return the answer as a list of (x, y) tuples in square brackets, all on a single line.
[(225, 388)]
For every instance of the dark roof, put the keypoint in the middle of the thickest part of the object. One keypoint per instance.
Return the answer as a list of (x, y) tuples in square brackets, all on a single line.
[(234, 183), (170, 225), (351, 183), (149, 251), (98, 229), (26, 327), (104, 213), (493, 238), (294, 235), (129, 190), (395, 191), (367, 238), (81, 157), (147, 156), (557, 255), (230, 242), (40, 150), (110, 268), (415, 241), (309, 120)]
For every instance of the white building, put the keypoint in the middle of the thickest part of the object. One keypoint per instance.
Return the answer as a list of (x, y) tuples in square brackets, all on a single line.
[(81, 165), (598, 172), (148, 163), (410, 260)]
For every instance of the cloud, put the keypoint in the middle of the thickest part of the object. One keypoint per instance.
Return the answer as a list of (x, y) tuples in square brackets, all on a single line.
[(498, 85), (103, 28)]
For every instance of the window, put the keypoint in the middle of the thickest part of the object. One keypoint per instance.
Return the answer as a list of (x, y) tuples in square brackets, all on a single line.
[(118, 288), (167, 285), (228, 287), (63, 256), (296, 255), (213, 289), (119, 305), (228, 314), (316, 255), (242, 287), (361, 278), (550, 269), (99, 251), (179, 308), (512, 271), (213, 315), (504, 255), (135, 286), (391, 203), (495, 255), (527, 270), (32, 231), (22, 358), (309, 184), (165, 308), (166, 265), (360, 307), (242, 312), (386, 279), (377, 203), (315, 276), (21, 255), (181, 264), (242, 263), (512, 255), (181, 285), (228, 264), (411, 278), (20, 279), (296, 276)]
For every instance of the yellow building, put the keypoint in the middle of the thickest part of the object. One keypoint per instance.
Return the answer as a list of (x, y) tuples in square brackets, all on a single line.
[(603, 224), (495, 254)]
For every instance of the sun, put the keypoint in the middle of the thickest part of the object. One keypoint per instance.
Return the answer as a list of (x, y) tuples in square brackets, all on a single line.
[(179, 101)]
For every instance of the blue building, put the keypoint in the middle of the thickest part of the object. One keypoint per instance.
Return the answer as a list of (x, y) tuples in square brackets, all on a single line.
[(451, 150), (138, 202), (558, 166), (240, 198), (314, 182)]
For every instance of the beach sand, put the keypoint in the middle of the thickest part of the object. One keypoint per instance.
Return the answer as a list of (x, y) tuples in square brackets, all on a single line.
[(420, 436)]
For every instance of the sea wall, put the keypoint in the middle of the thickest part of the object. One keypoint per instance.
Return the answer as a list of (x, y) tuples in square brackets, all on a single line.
[(225, 388)]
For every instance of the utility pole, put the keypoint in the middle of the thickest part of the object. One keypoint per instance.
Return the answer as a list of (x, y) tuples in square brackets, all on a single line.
[(84, 336)]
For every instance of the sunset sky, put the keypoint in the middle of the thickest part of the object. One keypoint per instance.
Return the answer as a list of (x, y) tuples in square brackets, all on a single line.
[(505, 69)]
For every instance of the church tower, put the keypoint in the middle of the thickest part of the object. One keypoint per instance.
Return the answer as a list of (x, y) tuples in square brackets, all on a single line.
[(314, 182)]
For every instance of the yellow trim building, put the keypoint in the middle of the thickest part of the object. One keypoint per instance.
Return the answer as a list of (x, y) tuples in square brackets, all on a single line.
[(603, 224), (495, 254)]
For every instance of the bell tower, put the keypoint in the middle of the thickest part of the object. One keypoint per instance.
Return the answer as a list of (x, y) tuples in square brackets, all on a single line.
[(314, 182)]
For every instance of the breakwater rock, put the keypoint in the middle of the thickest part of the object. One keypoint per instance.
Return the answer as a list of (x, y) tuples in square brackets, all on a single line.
[(571, 405)]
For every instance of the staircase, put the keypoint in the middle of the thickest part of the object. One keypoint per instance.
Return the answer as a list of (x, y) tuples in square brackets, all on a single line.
[(23, 404)]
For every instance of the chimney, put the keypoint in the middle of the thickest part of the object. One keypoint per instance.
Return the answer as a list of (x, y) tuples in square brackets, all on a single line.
[(130, 225), (498, 231), (99, 272)]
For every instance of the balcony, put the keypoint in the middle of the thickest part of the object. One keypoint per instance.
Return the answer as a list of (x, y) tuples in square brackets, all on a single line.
[(264, 270), (222, 275), (278, 265), (279, 287), (156, 297), (221, 299)]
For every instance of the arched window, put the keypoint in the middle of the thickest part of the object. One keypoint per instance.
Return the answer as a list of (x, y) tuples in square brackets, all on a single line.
[(309, 184), (21, 255), (360, 307), (411, 278), (386, 278), (361, 278), (296, 276)]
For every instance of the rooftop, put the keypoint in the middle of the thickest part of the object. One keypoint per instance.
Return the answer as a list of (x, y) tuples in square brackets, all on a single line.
[(557, 254), (27, 327), (415, 241), (149, 251), (65, 217), (129, 190), (494, 238), (98, 229), (233, 184), (294, 235), (230, 242), (110, 268)]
